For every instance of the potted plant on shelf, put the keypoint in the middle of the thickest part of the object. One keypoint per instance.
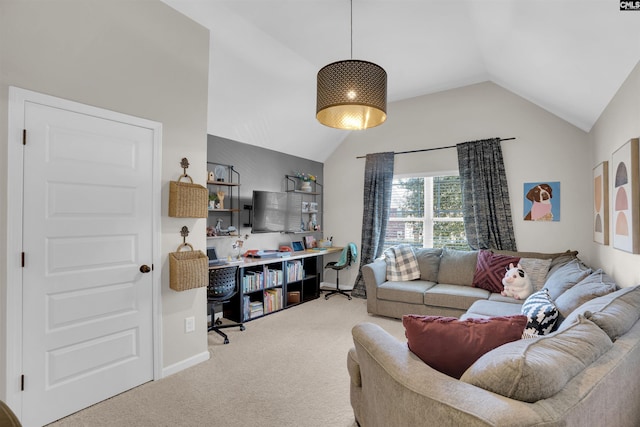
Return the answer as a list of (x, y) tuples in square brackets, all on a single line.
[(213, 199), (306, 181)]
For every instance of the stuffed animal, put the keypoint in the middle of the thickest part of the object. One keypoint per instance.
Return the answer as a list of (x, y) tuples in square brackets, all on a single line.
[(516, 283)]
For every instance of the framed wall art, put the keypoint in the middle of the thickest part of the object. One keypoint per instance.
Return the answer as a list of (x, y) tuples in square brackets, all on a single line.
[(601, 203), (542, 201), (626, 216)]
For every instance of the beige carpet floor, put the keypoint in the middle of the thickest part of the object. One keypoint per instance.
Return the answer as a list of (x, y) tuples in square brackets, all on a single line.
[(285, 369)]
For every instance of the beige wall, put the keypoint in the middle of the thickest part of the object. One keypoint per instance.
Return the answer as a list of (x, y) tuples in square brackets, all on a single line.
[(136, 57), (546, 149), (618, 123)]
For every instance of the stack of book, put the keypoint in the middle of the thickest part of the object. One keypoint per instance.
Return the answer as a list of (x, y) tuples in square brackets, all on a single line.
[(256, 309)]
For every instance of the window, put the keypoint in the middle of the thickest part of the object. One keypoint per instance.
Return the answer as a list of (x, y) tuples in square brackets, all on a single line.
[(426, 212)]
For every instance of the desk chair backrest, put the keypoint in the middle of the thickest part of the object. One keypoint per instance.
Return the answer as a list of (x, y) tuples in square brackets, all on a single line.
[(349, 255)]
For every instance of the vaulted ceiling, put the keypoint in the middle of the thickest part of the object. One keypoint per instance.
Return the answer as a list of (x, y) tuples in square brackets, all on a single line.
[(567, 56)]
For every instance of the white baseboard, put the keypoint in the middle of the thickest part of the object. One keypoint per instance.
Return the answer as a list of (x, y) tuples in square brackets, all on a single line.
[(186, 363)]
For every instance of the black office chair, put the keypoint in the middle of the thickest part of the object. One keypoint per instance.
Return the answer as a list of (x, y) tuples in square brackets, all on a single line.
[(223, 285), (349, 255)]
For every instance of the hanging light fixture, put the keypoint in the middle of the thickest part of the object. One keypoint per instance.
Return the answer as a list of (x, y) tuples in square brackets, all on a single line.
[(352, 94)]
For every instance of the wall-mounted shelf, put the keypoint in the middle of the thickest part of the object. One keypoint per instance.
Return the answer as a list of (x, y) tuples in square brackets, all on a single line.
[(223, 184), (311, 201)]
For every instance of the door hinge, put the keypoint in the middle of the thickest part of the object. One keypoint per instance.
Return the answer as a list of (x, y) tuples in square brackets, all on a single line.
[(22, 259), (24, 137), (22, 383)]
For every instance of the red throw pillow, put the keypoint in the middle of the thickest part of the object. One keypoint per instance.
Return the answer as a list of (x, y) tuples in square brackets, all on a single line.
[(451, 345), (490, 269)]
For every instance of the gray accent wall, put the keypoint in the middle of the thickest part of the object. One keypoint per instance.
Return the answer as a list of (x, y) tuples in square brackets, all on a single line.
[(260, 169)]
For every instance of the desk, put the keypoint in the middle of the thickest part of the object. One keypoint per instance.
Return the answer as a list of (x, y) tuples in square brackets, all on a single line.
[(268, 285)]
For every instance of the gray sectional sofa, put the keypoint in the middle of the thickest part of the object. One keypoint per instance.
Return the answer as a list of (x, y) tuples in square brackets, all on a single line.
[(445, 284), (585, 372)]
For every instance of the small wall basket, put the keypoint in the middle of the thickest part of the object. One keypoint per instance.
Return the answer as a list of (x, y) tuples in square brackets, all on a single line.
[(186, 199), (188, 269)]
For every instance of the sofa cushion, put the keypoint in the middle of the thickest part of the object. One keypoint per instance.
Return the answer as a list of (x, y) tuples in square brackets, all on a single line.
[(614, 313), (536, 269), (490, 269), (451, 345), (488, 308), (457, 267), (402, 264), (428, 262), (541, 312), (411, 292), (566, 277), (535, 369), (454, 296), (594, 285)]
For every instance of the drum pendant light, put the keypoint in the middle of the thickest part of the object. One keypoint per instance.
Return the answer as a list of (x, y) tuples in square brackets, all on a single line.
[(351, 94)]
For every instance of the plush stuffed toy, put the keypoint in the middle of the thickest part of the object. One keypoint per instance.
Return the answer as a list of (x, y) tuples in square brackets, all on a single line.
[(516, 283)]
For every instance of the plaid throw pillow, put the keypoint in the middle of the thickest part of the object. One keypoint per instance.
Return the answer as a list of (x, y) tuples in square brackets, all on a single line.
[(401, 263)]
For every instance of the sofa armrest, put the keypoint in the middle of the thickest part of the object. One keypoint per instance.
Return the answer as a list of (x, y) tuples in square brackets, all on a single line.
[(374, 275), (392, 377)]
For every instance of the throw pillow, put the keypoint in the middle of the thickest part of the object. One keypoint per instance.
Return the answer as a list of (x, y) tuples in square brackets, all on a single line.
[(429, 262), (595, 285), (537, 270), (450, 345), (401, 263), (565, 277), (531, 370), (561, 260), (614, 313), (490, 269), (457, 267), (541, 312)]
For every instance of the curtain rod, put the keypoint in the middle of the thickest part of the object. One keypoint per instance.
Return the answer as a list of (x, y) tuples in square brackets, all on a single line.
[(431, 149)]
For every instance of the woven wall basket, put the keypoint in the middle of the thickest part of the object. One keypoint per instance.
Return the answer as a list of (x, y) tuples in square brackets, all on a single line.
[(188, 269), (188, 200)]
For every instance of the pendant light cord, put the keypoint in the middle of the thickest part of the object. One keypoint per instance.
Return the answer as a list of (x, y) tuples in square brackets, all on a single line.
[(351, 2)]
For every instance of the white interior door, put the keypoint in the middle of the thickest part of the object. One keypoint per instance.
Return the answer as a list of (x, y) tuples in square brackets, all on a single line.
[(87, 230)]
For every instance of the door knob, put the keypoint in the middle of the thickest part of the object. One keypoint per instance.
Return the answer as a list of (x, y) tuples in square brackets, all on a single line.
[(144, 268)]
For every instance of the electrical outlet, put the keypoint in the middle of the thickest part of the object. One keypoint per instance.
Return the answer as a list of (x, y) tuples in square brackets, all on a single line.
[(189, 324)]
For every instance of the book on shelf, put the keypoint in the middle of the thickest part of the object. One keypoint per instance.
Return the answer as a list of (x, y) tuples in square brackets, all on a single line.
[(295, 271), (272, 300)]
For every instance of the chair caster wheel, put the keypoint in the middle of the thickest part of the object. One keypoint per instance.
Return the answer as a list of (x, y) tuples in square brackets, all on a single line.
[(242, 328), (226, 341)]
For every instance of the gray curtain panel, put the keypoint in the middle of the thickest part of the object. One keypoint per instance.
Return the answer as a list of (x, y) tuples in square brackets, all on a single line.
[(378, 182), (485, 195)]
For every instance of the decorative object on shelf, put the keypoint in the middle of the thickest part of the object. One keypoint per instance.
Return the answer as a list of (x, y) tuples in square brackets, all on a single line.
[(306, 186), (211, 176), (186, 199), (187, 269), (220, 172), (213, 199), (220, 195), (305, 181), (351, 94)]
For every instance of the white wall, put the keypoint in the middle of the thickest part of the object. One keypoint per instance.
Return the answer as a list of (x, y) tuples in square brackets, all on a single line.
[(136, 57), (546, 149), (618, 123)]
